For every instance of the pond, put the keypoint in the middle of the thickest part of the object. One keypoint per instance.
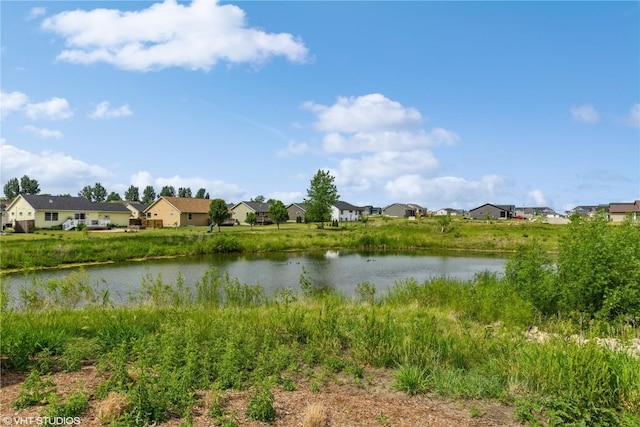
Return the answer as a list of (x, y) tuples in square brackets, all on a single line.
[(341, 271)]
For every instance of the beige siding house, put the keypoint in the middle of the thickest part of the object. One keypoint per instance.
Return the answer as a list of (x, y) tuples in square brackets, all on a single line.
[(179, 211), (240, 210), (618, 212), (27, 212)]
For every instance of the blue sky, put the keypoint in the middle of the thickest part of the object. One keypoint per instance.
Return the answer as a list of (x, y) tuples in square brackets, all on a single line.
[(444, 104)]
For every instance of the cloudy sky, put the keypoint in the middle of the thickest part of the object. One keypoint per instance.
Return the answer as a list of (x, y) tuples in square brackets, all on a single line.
[(444, 104)]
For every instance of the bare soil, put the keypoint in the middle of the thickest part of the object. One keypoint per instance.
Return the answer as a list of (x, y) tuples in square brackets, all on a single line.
[(338, 403)]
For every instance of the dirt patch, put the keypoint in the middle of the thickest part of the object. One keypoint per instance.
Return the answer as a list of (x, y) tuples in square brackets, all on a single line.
[(340, 403)]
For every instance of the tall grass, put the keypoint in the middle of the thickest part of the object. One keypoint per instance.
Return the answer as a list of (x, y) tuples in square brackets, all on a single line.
[(457, 339), (52, 248)]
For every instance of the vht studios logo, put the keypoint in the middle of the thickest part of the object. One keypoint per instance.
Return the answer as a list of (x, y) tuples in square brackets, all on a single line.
[(40, 421)]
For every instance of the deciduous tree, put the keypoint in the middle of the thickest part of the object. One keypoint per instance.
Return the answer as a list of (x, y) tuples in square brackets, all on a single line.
[(251, 219), (113, 197), (218, 212), (29, 186), (168, 191), (321, 195), (278, 212), (201, 194), (148, 195), (12, 188), (132, 194), (184, 192)]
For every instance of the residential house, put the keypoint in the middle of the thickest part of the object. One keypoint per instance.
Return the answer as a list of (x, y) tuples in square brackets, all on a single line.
[(5, 216), (343, 211), (449, 211), (618, 212), (137, 209), (178, 211), (372, 210), (401, 210), (240, 210), (492, 211), (533, 212), (297, 212), (29, 211), (588, 210)]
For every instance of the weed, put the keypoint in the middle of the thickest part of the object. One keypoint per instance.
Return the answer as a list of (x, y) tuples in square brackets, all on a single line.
[(383, 419), (260, 406), (411, 379), (73, 406), (35, 390)]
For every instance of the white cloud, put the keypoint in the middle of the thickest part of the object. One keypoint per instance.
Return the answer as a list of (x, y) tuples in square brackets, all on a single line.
[(537, 197), (293, 149), (633, 118), (216, 188), (103, 111), (36, 12), (585, 114), (14, 101), (362, 173), (446, 191), (387, 140), (287, 197), (368, 113), (42, 132), (53, 109), (58, 170), (194, 36)]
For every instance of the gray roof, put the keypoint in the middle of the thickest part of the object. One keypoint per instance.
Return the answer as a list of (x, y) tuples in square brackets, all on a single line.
[(256, 206), (137, 205), (344, 206), (67, 203)]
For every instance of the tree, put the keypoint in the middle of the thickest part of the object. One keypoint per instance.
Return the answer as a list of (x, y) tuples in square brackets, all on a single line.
[(278, 212), (184, 192), (444, 221), (99, 193), (251, 219), (113, 197), (168, 190), (258, 199), (26, 185), (132, 194), (29, 186), (201, 194), (321, 195), (86, 192), (148, 195), (12, 188), (218, 212)]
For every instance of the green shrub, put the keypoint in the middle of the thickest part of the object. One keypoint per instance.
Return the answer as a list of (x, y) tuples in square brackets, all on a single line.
[(260, 407), (531, 273)]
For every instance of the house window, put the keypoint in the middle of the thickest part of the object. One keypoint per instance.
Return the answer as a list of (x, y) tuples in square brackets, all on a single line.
[(51, 216), (189, 216), (80, 216)]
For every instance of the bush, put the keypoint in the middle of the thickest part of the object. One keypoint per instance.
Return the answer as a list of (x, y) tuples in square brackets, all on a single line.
[(260, 407), (599, 268), (597, 274), (531, 273)]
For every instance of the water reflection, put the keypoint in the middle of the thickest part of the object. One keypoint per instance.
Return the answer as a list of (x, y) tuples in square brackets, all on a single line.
[(338, 270)]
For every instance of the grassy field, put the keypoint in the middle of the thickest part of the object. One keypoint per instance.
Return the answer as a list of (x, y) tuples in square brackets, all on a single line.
[(558, 342), (45, 248), (475, 340)]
